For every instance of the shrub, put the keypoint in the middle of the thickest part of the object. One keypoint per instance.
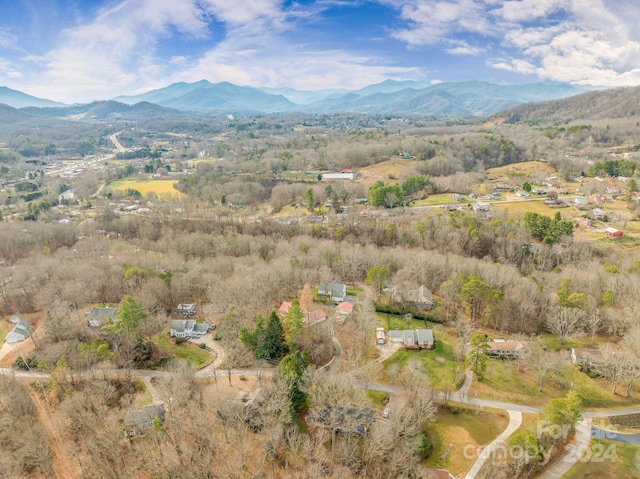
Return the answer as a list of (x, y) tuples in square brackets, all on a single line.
[(180, 340)]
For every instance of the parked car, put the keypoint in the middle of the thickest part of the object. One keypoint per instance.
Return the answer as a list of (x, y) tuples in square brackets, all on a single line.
[(386, 412)]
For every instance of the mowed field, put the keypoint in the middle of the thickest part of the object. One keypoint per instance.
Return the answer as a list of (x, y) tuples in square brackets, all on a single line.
[(162, 188), (524, 170), (389, 171)]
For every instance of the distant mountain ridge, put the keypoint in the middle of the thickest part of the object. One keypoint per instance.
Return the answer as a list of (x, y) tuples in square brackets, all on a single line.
[(18, 99), (459, 99)]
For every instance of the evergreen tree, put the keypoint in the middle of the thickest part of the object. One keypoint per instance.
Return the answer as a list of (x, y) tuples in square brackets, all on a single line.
[(294, 324), (274, 341), (291, 378)]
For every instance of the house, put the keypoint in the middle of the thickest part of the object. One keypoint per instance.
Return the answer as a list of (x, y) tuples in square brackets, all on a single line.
[(186, 309), (581, 201), (424, 338), (314, 316), (510, 349), (344, 308), (21, 330), (137, 422), (284, 308), (412, 338), (343, 418), (381, 338), (597, 214), (587, 357), (98, 317), (480, 207), (612, 232), (336, 291), (420, 297), (187, 328), (337, 176)]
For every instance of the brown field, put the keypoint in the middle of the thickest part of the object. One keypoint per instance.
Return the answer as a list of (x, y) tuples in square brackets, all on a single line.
[(386, 170), (524, 170)]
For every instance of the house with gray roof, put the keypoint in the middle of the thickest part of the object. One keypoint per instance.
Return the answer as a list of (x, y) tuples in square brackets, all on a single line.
[(420, 297), (98, 317), (137, 422), (336, 291), (21, 330), (412, 338), (187, 328)]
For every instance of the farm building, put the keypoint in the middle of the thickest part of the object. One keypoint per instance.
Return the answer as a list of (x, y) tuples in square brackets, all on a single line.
[(612, 232)]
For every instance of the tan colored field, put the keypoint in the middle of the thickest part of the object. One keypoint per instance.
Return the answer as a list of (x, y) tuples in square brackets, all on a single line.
[(162, 188), (516, 208), (385, 169), (524, 169)]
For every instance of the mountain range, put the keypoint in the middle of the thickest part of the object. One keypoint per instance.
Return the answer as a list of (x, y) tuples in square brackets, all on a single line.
[(458, 99)]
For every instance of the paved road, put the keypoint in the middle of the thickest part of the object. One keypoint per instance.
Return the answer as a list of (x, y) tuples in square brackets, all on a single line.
[(515, 420), (598, 433)]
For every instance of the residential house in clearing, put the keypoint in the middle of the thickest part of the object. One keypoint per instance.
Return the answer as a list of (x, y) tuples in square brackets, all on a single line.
[(336, 291), (312, 317), (187, 328), (21, 330), (420, 297), (284, 308), (344, 308), (342, 418), (137, 422), (413, 338), (509, 349), (586, 357), (98, 317)]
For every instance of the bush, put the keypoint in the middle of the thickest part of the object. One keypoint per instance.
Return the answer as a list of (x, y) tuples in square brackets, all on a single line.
[(202, 346), (26, 364), (180, 340)]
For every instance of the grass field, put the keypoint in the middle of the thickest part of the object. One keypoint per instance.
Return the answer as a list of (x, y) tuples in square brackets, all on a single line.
[(516, 208), (162, 188), (438, 367), (504, 382), (195, 356), (466, 430), (386, 170), (607, 460), (516, 170)]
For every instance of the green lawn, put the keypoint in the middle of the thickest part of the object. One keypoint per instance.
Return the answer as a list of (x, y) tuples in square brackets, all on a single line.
[(607, 460), (503, 381), (438, 366), (4, 330), (195, 356), (466, 430)]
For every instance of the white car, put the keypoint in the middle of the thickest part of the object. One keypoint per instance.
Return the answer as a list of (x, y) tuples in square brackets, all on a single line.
[(386, 412)]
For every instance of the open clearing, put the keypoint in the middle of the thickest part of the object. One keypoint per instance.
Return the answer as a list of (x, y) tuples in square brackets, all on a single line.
[(389, 171), (162, 188)]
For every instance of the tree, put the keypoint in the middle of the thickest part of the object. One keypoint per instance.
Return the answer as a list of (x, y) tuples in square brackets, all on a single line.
[(564, 412), (526, 186), (310, 199), (294, 324), (477, 358), (565, 322), (378, 276), (543, 362), (274, 340), (290, 377), (306, 298), (124, 330)]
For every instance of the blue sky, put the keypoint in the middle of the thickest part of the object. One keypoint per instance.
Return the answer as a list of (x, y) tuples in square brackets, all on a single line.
[(78, 51)]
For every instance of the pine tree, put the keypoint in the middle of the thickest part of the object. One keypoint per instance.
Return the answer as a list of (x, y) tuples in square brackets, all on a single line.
[(294, 324), (274, 342)]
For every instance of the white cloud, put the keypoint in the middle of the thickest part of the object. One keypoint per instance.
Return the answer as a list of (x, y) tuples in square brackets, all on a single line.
[(582, 41), (242, 12)]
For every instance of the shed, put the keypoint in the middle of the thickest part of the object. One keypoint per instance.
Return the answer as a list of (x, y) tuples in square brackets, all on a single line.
[(612, 232), (21, 330)]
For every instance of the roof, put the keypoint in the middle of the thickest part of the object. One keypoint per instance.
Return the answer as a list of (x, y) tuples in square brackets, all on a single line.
[(140, 420), (433, 473), (611, 230), (102, 315), (344, 307), (424, 336), (181, 325), (587, 353), (316, 315), (396, 335), (509, 346), (284, 307), (20, 331)]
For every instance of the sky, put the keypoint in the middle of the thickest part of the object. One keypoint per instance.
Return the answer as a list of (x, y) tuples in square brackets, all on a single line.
[(79, 51)]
